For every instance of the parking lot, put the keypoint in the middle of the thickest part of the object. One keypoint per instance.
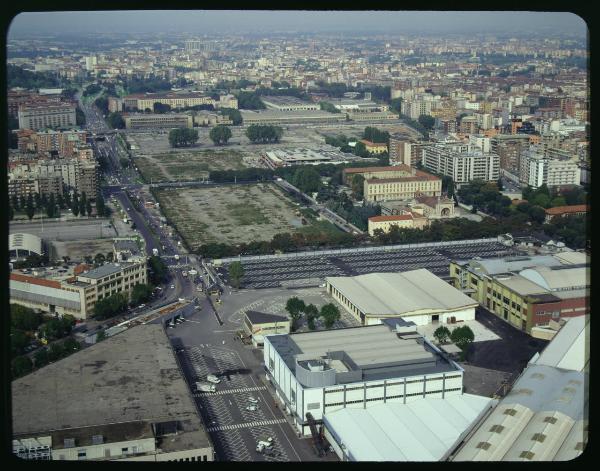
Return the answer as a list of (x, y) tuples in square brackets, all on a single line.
[(204, 347), (312, 269)]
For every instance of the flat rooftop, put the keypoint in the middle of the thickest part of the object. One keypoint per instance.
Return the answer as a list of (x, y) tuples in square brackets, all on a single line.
[(378, 351), (105, 270), (128, 378)]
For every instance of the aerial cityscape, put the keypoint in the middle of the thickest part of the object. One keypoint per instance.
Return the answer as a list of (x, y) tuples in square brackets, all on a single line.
[(298, 235)]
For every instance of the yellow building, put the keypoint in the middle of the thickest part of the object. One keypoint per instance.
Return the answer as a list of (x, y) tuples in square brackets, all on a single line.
[(394, 171), (258, 324), (402, 188), (374, 147), (409, 220)]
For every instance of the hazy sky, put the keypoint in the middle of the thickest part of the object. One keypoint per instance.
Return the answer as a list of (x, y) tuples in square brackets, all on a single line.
[(302, 21)]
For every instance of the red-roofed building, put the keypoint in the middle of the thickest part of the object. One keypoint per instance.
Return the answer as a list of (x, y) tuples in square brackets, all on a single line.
[(566, 211), (374, 147)]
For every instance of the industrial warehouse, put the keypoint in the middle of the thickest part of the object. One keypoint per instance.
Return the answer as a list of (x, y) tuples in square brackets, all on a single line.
[(315, 373), (417, 295), (121, 399)]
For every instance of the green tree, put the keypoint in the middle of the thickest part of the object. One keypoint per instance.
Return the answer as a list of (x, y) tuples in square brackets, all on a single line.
[(462, 337), (15, 202), (361, 150), (358, 186), (158, 270), (24, 318), (18, 341), (88, 208), (330, 313), (30, 210), (11, 213), (499, 184), (234, 115), (426, 121), (307, 179), (99, 259), (20, 366), (110, 306), (115, 121), (56, 351), (71, 345), (396, 105), (326, 106), (442, 334), (124, 162), (140, 294), (41, 358), (220, 134), (100, 336), (236, 272), (82, 206), (100, 206), (294, 306)]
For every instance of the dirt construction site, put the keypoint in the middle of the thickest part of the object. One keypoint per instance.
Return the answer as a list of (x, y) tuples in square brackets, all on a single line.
[(229, 214)]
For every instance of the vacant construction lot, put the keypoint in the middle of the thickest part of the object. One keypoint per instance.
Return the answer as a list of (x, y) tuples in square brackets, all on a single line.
[(230, 214), (187, 165)]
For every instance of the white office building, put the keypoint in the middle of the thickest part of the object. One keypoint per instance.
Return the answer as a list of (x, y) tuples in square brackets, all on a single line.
[(317, 373), (463, 166), (537, 170)]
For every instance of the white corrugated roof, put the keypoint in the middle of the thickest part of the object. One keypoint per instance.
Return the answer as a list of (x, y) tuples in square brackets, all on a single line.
[(400, 293), (422, 430), (569, 349), (557, 279)]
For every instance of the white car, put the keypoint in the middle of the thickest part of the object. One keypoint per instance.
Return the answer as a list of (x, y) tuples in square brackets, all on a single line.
[(253, 400), (172, 286), (252, 408), (213, 379)]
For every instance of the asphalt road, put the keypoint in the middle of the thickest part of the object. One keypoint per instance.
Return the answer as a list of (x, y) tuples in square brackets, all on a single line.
[(206, 347)]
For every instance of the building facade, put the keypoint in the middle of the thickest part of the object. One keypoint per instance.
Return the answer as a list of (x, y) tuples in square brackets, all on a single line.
[(320, 372), (166, 120), (407, 220), (462, 167), (50, 115)]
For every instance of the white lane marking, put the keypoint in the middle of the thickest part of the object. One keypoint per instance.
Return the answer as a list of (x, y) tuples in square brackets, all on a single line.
[(245, 425), (231, 391)]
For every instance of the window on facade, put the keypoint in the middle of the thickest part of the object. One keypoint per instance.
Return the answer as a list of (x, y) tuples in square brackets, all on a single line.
[(81, 454), (527, 455), (483, 445), (497, 428)]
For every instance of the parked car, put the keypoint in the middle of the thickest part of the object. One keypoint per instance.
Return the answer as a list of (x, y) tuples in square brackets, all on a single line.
[(253, 400), (252, 407), (213, 379)]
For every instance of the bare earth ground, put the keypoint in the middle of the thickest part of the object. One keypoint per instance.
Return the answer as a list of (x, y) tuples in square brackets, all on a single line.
[(229, 214)]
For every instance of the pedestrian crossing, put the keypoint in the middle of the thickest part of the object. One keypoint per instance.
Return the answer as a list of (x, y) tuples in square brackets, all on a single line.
[(260, 423), (232, 391)]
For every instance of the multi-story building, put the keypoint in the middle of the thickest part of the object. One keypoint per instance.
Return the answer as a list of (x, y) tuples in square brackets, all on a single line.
[(537, 170), (77, 295), (561, 211), (48, 115), (527, 291), (317, 373), (461, 166), (406, 151), (508, 147), (166, 120), (144, 102), (66, 143)]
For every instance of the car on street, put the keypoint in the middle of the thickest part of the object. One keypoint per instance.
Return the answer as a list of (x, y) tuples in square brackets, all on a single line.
[(252, 408), (253, 400), (172, 286), (213, 379)]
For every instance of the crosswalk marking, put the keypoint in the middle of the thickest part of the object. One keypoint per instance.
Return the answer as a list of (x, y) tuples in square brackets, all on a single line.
[(246, 425), (231, 391)]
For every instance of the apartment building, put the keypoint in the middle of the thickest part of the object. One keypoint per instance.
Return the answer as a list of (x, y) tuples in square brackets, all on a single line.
[(48, 115), (537, 170), (66, 143), (402, 188), (167, 120), (463, 166), (374, 147), (509, 147), (406, 151)]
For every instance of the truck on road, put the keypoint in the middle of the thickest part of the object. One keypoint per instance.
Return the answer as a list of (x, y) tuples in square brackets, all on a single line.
[(202, 386)]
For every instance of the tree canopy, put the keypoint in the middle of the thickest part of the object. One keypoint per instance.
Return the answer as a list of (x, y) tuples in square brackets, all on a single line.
[(220, 134), (264, 133), (236, 273), (183, 137)]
